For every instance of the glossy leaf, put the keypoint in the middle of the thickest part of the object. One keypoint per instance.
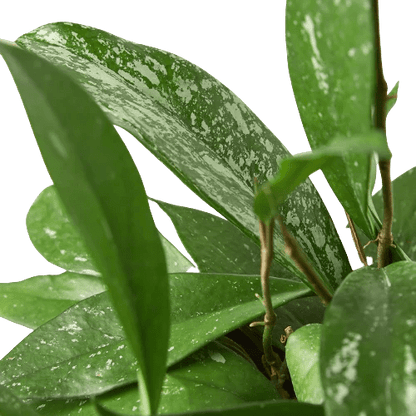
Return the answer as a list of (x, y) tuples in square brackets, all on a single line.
[(302, 357), (404, 221), (368, 343), (102, 191), (57, 239), (296, 169), (195, 126), (212, 378), (33, 302), (84, 351), (331, 65)]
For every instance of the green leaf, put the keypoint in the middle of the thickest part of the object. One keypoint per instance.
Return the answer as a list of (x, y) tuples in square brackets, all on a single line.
[(404, 212), (302, 357), (84, 352), (33, 302), (368, 343), (265, 408), (58, 240), (54, 235), (296, 169), (216, 245), (102, 191), (212, 378), (331, 62), (10, 405), (196, 126)]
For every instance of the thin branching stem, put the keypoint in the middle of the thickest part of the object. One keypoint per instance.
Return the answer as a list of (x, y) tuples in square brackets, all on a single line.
[(294, 251), (385, 237), (271, 361), (356, 239)]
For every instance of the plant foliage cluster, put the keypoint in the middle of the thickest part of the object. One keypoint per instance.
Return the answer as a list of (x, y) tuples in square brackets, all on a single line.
[(125, 330)]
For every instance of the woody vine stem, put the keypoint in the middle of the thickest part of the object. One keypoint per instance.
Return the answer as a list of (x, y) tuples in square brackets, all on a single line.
[(385, 237)]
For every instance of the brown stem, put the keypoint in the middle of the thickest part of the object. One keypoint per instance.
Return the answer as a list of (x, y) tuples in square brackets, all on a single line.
[(266, 239), (294, 251), (356, 239), (385, 237), (271, 360)]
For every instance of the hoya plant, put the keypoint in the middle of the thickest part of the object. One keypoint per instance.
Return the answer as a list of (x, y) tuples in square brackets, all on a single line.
[(275, 322)]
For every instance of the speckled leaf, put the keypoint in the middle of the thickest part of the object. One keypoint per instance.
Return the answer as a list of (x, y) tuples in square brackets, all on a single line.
[(404, 221), (331, 64), (34, 301), (212, 378), (55, 237), (296, 169), (102, 192), (10, 405), (368, 343), (302, 357), (84, 351), (196, 126), (216, 245)]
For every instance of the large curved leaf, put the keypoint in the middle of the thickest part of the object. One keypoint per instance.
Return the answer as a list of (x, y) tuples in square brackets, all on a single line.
[(195, 126), (332, 68), (58, 240), (84, 352), (212, 378), (368, 343), (102, 191)]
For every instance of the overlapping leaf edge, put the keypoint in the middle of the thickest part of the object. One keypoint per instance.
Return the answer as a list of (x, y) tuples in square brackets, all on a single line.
[(228, 188)]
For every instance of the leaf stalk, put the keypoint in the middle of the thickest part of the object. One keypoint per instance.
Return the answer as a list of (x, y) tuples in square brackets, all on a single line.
[(294, 251), (271, 361), (357, 242)]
